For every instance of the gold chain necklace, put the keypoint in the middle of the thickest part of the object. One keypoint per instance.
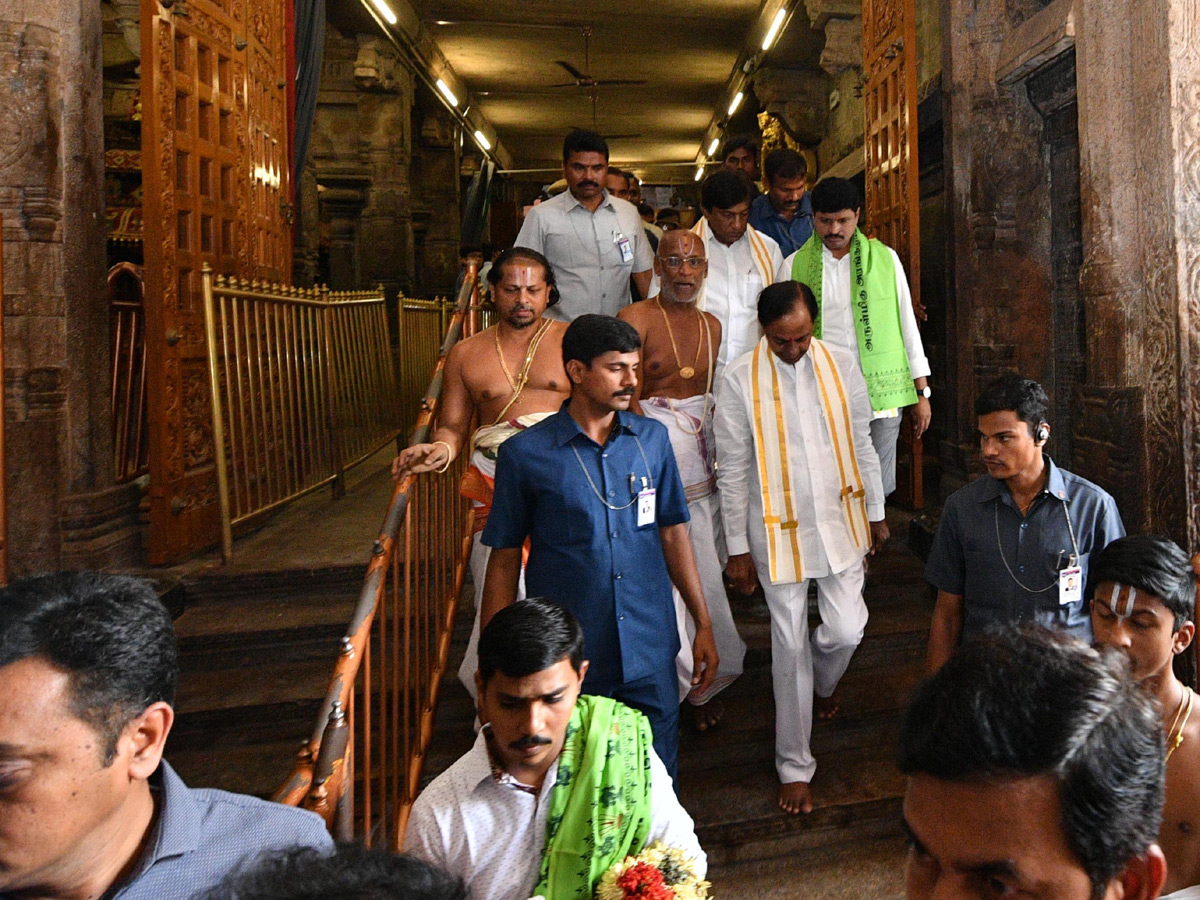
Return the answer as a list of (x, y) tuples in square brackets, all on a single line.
[(1175, 736), (684, 371), (518, 382)]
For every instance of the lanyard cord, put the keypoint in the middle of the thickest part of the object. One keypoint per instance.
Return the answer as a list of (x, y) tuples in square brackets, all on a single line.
[(1011, 574), (592, 484)]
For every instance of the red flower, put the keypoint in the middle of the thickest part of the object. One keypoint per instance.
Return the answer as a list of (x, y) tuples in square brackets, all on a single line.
[(644, 882)]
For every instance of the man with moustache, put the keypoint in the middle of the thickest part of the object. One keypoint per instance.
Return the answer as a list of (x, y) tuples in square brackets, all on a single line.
[(741, 262), (1143, 602), (740, 154), (676, 389), (505, 378), (865, 306), (558, 787), (595, 490), (784, 212), (595, 241), (802, 502), (1013, 545)]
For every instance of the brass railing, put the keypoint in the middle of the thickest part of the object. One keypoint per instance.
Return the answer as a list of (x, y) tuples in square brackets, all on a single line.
[(362, 767), (303, 387), (422, 323), (127, 325)]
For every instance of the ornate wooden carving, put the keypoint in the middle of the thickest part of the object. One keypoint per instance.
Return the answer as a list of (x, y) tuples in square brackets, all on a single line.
[(892, 186), (214, 111)]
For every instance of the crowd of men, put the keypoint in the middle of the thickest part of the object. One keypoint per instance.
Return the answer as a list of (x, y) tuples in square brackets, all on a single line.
[(630, 462)]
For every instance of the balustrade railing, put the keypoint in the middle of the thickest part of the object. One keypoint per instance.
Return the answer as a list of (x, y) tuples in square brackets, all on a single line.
[(303, 387), (362, 767)]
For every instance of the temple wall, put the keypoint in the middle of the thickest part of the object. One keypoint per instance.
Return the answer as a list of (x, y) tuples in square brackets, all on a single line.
[(64, 509)]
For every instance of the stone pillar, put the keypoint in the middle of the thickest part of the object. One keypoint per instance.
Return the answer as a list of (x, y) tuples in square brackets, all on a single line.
[(1139, 129), (439, 208), (64, 509), (998, 183)]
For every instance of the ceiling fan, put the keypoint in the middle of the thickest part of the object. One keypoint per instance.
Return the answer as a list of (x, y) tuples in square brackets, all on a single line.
[(585, 79)]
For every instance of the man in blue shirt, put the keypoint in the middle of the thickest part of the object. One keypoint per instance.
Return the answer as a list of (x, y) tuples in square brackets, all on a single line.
[(1013, 545), (784, 212), (596, 491), (88, 807)]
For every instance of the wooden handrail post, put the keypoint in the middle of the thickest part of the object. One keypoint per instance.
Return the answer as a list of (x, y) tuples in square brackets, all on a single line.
[(473, 310)]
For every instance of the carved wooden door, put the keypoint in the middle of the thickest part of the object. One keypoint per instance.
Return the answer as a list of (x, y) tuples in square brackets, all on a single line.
[(214, 138), (892, 175)]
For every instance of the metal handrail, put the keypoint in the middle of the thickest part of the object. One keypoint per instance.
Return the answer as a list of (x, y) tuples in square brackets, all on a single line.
[(361, 768), (303, 387)]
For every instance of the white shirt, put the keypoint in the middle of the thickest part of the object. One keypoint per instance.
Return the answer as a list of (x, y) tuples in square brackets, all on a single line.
[(837, 321), (585, 250), (825, 540), (1187, 893), (731, 294), (491, 834)]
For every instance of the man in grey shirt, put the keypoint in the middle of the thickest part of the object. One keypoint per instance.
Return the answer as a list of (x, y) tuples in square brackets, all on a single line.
[(88, 806), (1013, 545), (594, 241)]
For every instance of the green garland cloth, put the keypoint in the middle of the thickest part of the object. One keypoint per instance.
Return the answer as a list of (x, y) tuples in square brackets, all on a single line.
[(600, 803), (876, 311)]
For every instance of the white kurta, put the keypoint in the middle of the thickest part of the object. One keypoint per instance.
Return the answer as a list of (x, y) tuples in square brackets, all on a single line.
[(837, 320), (731, 294), (491, 834), (825, 540)]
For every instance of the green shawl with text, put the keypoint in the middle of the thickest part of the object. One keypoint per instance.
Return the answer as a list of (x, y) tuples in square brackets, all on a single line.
[(600, 803), (876, 312)]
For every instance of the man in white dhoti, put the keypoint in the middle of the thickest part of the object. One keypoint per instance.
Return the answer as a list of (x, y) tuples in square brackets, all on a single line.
[(679, 348), (802, 501), (508, 376)]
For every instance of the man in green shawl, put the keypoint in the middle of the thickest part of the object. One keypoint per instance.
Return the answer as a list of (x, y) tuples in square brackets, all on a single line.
[(865, 306), (558, 787)]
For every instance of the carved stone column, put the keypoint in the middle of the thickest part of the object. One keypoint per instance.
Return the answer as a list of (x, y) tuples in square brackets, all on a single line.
[(64, 510), (1139, 128)]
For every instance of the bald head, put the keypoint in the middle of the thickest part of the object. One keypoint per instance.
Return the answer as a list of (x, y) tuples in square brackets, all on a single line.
[(681, 265)]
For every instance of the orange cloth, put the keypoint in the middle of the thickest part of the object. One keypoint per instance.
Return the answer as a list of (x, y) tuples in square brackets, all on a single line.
[(480, 489)]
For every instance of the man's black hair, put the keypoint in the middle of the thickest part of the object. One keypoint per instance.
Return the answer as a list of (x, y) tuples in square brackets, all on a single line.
[(784, 163), (741, 142), (1022, 395), (620, 173), (109, 633), (583, 141), (667, 214), (526, 254), (1026, 703), (724, 189), (1154, 565), (645, 209), (777, 300), (352, 872), (527, 637), (832, 195), (593, 335)]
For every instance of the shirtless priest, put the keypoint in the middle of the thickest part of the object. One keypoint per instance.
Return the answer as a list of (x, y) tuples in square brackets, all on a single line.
[(1143, 592), (679, 351), (505, 378)]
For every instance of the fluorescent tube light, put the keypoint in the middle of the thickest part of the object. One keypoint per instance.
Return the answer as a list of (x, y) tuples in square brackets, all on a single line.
[(737, 101), (773, 31), (385, 11), (712, 148), (447, 93), (483, 141)]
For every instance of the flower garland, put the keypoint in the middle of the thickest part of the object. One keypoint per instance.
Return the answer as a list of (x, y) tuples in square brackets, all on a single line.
[(657, 873)]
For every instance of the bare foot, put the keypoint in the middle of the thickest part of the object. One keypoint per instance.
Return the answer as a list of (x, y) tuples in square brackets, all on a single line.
[(827, 707), (795, 798), (709, 715)]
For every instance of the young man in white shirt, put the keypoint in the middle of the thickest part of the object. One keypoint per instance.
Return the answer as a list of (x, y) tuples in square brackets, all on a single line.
[(864, 305), (502, 817)]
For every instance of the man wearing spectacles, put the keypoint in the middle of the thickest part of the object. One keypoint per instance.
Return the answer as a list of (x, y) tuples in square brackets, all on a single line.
[(679, 349), (741, 262), (596, 491)]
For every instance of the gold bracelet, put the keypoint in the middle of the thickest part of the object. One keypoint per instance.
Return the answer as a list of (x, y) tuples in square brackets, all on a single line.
[(449, 458)]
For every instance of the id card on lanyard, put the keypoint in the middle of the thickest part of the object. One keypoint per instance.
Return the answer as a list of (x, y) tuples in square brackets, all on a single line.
[(624, 246)]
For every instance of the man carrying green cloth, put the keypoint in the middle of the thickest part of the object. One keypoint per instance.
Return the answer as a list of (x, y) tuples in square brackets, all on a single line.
[(865, 306), (558, 787)]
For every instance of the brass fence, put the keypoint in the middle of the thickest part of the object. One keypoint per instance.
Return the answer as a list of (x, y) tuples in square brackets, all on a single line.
[(362, 767), (422, 323), (127, 327), (303, 387)]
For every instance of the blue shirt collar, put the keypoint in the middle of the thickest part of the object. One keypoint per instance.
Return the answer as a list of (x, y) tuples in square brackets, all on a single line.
[(805, 210), (1055, 485), (567, 429)]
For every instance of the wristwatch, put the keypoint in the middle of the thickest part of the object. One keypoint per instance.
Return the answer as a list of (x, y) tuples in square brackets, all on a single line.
[(925, 392)]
